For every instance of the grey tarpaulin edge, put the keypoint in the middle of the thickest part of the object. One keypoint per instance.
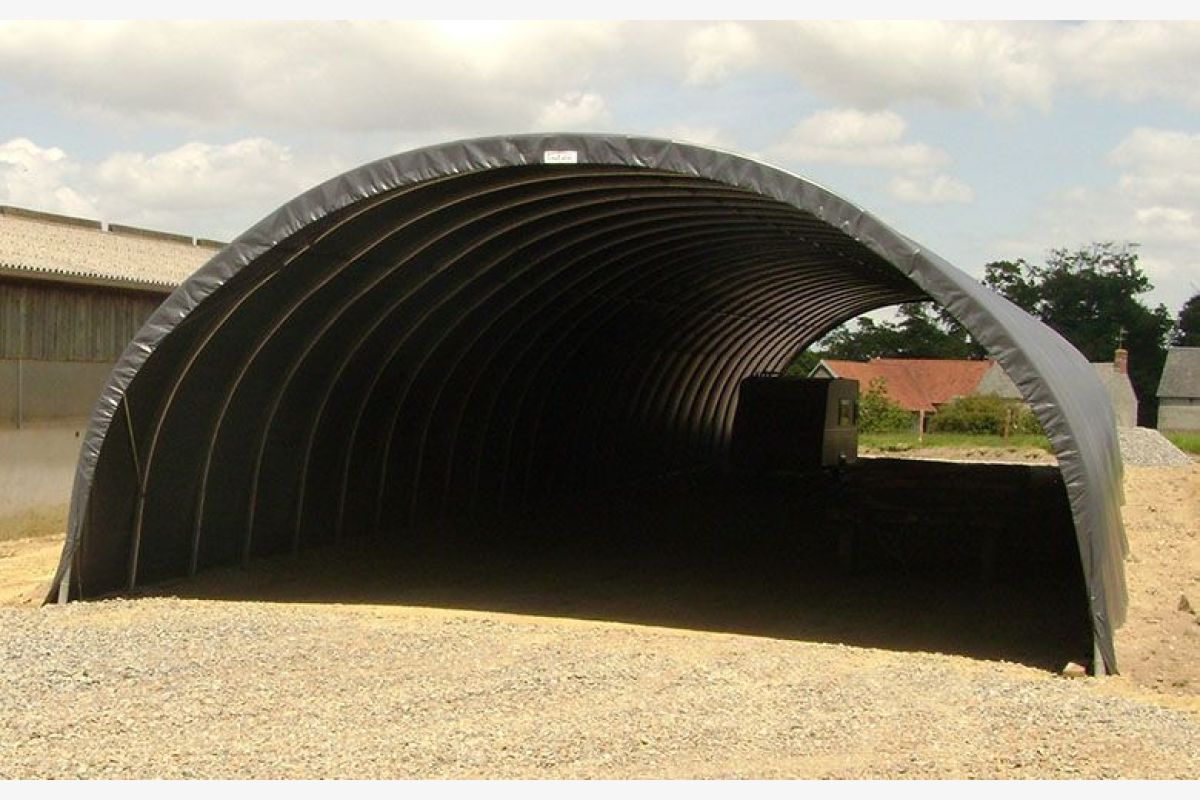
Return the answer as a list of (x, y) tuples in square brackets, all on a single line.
[(1053, 377)]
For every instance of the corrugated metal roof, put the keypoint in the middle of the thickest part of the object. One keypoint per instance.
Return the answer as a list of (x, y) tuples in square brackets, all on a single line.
[(1181, 373), (50, 247)]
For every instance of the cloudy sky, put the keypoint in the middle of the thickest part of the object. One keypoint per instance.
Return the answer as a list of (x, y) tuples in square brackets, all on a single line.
[(982, 141)]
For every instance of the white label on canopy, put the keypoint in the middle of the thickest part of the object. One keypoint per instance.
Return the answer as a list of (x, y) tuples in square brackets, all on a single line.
[(560, 157)]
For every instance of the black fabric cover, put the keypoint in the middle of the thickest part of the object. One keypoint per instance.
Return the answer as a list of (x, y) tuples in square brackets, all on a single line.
[(474, 324)]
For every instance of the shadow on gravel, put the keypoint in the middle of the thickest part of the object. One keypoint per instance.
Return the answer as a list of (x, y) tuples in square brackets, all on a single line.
[(975, 560)]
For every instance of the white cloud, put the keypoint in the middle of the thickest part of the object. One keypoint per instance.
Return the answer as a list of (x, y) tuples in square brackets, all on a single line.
[(713, 52), (930, 190), (199, 175), (995, 66), (849, 128), (858, 138), (1155, 202), (199, 188), (1133, 60), (486, 77), (575, 111), (224, 186), (353, 75), (1159, 167), (874, 140), (38, 178), (880, 64)]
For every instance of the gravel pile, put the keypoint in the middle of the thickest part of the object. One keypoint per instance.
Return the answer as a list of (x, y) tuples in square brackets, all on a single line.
[(169, 688), (1146, 447)]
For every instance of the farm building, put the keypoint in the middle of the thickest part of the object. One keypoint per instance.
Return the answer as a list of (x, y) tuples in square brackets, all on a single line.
[(474, 327), (73, 292), (922, 385), (1114, 375), (1179, 390)]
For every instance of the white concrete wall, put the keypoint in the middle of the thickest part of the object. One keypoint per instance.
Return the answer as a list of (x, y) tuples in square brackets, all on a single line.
[(37, 468), (1179, 414), (1125, 403), (49, 392)]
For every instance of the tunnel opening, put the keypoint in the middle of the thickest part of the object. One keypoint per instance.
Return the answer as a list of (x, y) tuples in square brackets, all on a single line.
[(477, 331), (971, 559)]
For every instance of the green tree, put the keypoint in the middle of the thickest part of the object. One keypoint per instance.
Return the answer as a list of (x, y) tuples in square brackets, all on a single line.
[(917, 333), (1187, 328), (1090, 296), (878, 413), (804, 363)]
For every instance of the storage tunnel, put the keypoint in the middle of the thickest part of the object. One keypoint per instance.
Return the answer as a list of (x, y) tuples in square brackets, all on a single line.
[(472, 326)]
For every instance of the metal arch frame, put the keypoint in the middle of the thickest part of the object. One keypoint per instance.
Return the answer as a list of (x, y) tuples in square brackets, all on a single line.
[(662, 402), (668, 271), (726, 400), (573, 341), (143, 477), (498, 345), (734, 366), (389, 233), (643, 230), (569, 332), (578, 275), (163, 409), (1051, 375), (780, 260), (194, 353), (687, 379), (568, 338), (567, 268), (380, 318), (673, 375), (301, 491), (249, 358), (623, 206), (698, 197)]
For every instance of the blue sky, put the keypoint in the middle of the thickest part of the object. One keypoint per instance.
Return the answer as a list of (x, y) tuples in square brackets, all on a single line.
[(982, 141)]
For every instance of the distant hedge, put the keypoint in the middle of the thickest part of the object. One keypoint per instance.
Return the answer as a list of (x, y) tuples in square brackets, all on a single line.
[(984, 414)]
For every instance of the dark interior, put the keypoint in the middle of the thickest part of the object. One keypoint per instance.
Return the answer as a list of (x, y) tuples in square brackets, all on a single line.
[(892, 554), (475, 342)]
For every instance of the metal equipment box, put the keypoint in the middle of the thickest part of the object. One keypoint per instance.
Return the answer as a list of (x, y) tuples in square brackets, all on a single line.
[(785, 423)]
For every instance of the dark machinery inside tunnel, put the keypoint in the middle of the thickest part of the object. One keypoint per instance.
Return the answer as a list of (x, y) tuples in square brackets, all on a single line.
[(477, 331)]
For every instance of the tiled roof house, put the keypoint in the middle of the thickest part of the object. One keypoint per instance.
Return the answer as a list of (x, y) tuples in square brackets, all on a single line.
[(921, 384)]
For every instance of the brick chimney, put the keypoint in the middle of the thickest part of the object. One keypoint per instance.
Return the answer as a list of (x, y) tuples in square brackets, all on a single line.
[(1121, 361)]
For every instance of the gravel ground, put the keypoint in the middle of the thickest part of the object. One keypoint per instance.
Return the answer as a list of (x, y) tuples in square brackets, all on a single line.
[(164, 687), (1146, 447), (170, 688)]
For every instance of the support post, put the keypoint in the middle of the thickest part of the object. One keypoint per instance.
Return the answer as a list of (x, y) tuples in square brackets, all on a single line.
[(64, 586), (20, 393), (22, 354)]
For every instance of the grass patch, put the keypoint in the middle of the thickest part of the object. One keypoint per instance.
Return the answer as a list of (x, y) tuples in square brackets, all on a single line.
[(1187, 442), (899, 442)]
